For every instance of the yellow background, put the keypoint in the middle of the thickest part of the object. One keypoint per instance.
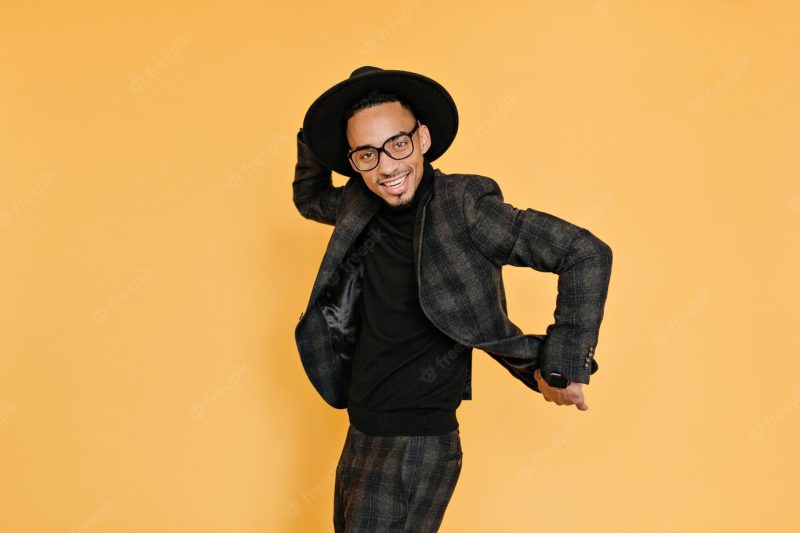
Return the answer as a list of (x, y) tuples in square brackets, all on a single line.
[(154, 267)]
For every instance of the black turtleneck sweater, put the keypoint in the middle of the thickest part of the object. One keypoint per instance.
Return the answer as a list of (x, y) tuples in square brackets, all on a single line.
[(407, 376)]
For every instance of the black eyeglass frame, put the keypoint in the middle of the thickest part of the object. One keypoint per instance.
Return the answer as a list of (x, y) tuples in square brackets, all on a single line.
[(383, 148)]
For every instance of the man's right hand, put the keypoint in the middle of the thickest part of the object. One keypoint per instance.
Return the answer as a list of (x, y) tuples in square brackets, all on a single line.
[(312, 189), (572, 395)]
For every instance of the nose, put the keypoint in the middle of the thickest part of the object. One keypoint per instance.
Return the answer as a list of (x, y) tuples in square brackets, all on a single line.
[(386, 165)]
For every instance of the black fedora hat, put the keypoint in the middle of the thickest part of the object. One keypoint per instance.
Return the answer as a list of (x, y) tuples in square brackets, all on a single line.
[(324, 127)]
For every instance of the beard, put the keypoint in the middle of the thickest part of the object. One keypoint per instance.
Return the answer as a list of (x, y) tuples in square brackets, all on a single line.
[(402, 203)]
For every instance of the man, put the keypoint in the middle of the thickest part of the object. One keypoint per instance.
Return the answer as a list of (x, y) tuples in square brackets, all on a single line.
[(411, 282)]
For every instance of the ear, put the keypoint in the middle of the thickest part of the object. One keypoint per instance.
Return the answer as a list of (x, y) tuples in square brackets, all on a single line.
[(424, 138)]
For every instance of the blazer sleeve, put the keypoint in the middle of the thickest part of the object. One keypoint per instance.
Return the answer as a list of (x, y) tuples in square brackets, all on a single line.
[(312, 189), (506, 235)]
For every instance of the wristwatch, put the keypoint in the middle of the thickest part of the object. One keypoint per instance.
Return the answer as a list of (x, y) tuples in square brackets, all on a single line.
[(557, 380)]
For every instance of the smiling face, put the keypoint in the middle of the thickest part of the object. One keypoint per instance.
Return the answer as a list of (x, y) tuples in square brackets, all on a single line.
[(373, 126)]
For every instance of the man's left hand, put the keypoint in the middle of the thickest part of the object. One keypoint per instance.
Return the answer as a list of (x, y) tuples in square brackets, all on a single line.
[(572, 395)]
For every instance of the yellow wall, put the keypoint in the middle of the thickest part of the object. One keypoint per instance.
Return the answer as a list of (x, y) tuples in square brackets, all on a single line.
[(153, 265)]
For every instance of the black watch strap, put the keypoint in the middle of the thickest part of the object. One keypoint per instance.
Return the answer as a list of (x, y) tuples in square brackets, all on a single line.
[(557, 380)]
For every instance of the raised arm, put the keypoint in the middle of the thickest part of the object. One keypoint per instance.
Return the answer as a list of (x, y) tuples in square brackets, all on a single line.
[(507, 235), (313, 192)]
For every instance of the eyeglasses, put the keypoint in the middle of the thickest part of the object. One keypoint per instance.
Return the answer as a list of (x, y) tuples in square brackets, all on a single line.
[(398, 147)]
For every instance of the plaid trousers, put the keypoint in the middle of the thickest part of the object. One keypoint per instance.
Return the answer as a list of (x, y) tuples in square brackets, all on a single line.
[(389, 484)]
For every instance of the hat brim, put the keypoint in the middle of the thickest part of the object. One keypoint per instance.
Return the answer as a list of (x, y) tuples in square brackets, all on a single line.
[(324, 126)]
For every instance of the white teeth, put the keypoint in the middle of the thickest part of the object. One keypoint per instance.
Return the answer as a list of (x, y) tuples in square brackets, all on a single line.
[(396, 182)]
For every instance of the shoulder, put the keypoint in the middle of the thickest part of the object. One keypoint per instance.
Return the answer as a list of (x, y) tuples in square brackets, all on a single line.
[(466, 186)]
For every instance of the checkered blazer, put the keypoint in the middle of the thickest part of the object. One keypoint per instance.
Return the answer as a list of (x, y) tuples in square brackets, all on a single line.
[(464, 233)]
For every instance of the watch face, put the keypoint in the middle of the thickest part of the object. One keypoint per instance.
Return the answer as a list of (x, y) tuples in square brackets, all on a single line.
[(557, 380)]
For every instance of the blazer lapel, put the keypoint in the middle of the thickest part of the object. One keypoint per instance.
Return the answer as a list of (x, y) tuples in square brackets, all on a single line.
[(345, 232)]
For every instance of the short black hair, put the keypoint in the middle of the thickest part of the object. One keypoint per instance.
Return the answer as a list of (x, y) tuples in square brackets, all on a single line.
[(376, 97)]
